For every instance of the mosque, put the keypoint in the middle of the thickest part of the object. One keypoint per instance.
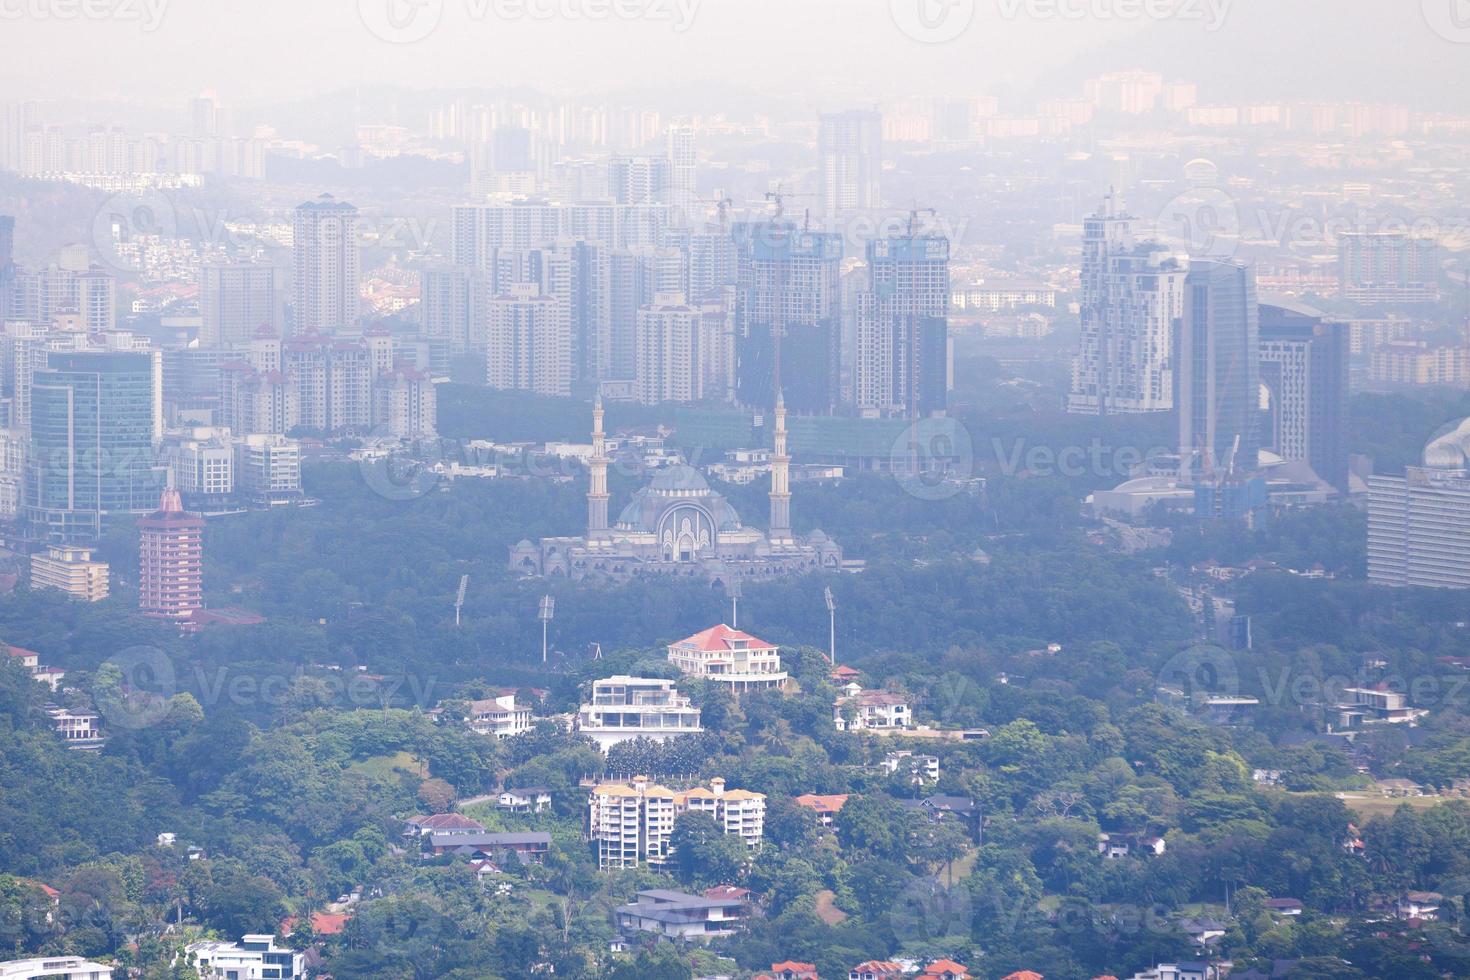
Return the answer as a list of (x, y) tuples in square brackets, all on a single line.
[(677, 525)]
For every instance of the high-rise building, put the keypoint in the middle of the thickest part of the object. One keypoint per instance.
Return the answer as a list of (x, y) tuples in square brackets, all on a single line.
[(40, 296), (1387, 268), (668, 358), (1419, 523), (235, 301), (1217, 398), (404, 403), (1132, 305), (850, 161), (528, 342), (448, 297), (334, 382), (788, 312), (640, 180), (901, 363), (634, 277), (1304, 371), (12, 136), (327, 266), (171, 560), (94, 423), (684, 161)]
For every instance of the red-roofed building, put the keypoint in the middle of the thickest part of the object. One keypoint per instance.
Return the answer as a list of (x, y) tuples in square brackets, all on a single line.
[(825, 807), (876, 970), (790, 970), (729, 656), (441, 823), (844, 674), (950, 970), (171, 560)]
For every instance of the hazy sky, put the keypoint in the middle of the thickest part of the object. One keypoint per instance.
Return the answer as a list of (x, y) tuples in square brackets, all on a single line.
[(255, 51)]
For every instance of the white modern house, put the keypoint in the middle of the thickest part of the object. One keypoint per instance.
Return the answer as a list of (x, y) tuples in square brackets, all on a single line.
[(254, 957), (871, 710), (500, 716), (624, 708), (54, 968)]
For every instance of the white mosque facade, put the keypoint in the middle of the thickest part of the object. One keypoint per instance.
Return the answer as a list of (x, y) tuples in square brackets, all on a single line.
[(678, 525)]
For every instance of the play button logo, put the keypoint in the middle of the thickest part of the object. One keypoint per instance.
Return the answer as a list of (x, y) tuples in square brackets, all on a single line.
[(932, 21), (401, 21)]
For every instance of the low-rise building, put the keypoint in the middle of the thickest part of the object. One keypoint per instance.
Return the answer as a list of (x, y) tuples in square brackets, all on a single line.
[(680, 915), (254, 957), (530, 847), (71, 570), (825, 807), (443, 824), (633, 822), (79, 729), (500, 716), (859, 710), (54, 968), (877, 970), (524, 799), (625, 708), (922, 768), (730, 657)]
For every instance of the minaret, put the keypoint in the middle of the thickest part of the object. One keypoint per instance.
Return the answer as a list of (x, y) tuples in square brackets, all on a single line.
[(780, 478), (597, 495)]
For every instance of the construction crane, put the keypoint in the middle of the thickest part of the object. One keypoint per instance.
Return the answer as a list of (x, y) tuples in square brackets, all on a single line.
[(722, 204), (778, 197), (464, 583)]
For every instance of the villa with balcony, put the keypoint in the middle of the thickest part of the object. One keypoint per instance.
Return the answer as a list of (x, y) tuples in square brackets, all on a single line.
[(624, 708), (730, 657)]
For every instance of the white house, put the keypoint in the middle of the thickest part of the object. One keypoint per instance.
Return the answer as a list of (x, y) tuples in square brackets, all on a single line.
[(500, 716), (254, 957), (524, 799), (625, 708), (730, 657), (54, 968), (871, 710)]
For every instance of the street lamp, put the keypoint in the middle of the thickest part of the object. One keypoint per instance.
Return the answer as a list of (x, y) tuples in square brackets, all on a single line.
[(548, 608), (831, 625), (735, 591)]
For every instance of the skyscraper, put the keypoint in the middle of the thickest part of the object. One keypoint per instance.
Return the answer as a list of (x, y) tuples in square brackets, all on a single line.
[(93, 428), (1132, 305), (171, 560), (684, 161), (788, 312), (640, 180), (1304, 371), (237, 300), (902, 357), (529, 342), (327, 266), (1217, 401), (849, 161)]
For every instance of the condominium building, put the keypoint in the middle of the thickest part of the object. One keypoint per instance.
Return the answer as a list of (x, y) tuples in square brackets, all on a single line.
[(528, 341), (632, 823), (1131, 310), (788, 311), (902, 353), (203, 464), (237, 300), (171, 559), (1388, 268), (405, 403), (730, 657), (667, 352), (334, 381), (625, 708), (850, 161), (1419, 523), (1414, 362), (327, 266), (71, 570)]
